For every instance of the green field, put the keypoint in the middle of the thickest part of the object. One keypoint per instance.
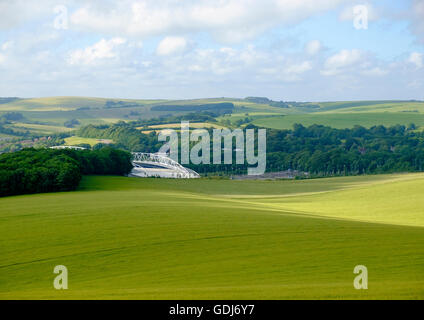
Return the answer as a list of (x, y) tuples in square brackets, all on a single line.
[(342, 120), (347, 114), (130, 238), (74, 140), (44, 116), (372, 106)]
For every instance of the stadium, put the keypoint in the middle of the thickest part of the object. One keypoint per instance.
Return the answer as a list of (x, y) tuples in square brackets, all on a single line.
[(159, 165)]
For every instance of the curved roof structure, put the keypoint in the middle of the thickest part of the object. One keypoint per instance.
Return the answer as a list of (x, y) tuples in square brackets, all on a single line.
[(157, 165)]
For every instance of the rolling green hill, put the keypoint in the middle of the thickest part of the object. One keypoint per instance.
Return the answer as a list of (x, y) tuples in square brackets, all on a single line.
[(43, 116), (129, 238), (342, 120), (48, 115)]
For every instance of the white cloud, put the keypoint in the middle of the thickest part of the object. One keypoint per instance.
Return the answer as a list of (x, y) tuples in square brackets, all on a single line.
[(299, 68), (313, 47), (416, 59), (13, 13), (104, 49), (417, 11), (340, 61), (36, 57), (374, 72), (170, 45), (242, 64), (227, 20), (292, 71), (7, 45)]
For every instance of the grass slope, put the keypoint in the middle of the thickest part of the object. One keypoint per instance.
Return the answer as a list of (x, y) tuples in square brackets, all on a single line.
[(51, 113), (397, 202), (179, 239), (342, 120), (74, 140)]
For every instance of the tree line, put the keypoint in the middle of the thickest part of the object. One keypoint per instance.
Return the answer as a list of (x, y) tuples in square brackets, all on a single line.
[(124, 135), (317, 149), (47, 170), (324, 151)]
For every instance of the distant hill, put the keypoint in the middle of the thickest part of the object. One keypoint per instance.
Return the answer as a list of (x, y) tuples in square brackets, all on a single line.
[(7, 100), (42, 116)]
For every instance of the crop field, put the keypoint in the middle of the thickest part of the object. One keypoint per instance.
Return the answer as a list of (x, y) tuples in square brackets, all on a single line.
[(372, 106), (40, 128), (129, 238), (74, 140), (342, 120), (63, 103)]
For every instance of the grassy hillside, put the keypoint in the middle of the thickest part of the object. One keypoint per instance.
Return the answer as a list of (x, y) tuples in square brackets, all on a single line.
[(343, 120), (74, 141), (197, 239), (45, 116), (372, 106), (48, 115), (64, 103)]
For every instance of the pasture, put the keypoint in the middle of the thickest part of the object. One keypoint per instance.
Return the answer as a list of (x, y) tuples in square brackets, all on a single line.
[(342, 120), (74, 140), (129, 238)]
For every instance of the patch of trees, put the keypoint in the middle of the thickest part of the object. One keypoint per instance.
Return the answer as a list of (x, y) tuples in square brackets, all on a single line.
[(319, 150), (324, 151), (31, 171), (6, 119), (12, 132), (224, 107), (120, 104), (124, 135), (165, 119), (263, 100), (47, 170), (8, 99), (71, 123), (12, 116), (104, 161)]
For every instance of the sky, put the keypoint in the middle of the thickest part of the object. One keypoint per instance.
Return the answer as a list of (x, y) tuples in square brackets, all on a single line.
[(290, 50)]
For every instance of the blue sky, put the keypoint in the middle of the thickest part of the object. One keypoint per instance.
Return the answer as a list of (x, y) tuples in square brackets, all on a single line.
[(304, 50)]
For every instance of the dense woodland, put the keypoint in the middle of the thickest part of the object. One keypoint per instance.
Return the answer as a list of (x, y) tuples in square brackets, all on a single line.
[(318, 150), (326, 151), (47, 170)]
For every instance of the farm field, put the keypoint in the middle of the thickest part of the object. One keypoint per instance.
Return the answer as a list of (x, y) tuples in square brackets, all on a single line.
[(372, 106), (40, 129), (128, 238), (63, 103), (342, 120), (74, 140)]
